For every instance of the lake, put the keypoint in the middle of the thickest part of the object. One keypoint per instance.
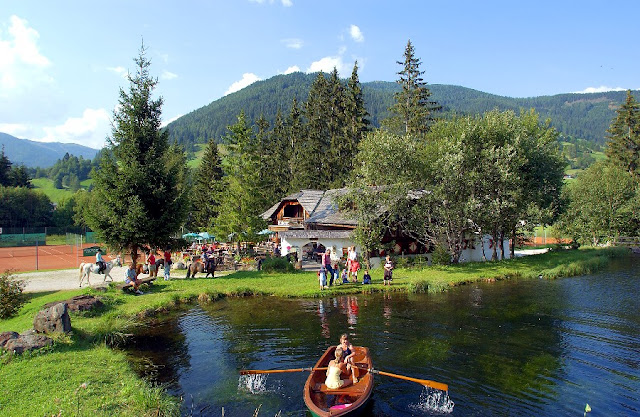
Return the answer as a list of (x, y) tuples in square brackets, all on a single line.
[(526, 348)]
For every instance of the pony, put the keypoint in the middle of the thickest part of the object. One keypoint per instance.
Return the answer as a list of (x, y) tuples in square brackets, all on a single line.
[(87, 268), (197, 266)]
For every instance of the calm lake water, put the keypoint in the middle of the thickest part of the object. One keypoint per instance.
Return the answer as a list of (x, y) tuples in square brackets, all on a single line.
[(517, 348)]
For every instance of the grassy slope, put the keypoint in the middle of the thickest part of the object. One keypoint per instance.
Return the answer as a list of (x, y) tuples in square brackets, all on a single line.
[(45, 185), (49, 381)]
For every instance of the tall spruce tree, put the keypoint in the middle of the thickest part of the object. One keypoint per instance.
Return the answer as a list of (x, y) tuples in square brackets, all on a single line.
[(335, 157), (5, 169), (207, 187), (296, 132), (140, 191), (243, 199), (413, 111), (278, 170), (317, 141), (624, 136), (356, 122)]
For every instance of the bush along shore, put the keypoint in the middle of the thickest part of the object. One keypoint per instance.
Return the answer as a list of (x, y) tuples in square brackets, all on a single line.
[(83, 371)]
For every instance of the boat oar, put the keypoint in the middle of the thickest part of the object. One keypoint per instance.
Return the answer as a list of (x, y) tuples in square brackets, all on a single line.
[(433, 384), (278, 371)]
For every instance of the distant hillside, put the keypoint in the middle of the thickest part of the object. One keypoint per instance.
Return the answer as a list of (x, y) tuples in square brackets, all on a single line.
[(584, 116), (40, 154)]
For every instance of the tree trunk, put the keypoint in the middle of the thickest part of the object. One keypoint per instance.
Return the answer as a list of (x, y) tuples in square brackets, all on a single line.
[(133, 249), (494, 249), (502, 245), (512, 249)]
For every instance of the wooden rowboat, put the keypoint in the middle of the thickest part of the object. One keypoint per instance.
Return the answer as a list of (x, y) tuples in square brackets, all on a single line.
[(323, 402)]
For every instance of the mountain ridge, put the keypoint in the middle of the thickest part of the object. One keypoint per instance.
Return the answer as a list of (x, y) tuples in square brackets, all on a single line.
[(35, 154), (579, 115)]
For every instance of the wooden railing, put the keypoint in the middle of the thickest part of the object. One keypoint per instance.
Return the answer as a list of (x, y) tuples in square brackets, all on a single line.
[(627, 241)]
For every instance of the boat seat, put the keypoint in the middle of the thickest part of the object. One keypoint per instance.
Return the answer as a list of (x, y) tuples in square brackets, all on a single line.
[(357, 389)]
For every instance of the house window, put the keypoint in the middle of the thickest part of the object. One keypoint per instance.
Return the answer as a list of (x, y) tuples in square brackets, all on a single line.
[(292, 211)]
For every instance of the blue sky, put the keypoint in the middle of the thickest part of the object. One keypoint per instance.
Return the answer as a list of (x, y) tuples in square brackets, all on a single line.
[(62, 63)]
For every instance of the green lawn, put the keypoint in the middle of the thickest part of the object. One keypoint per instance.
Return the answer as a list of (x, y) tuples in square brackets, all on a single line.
[(50, 382)]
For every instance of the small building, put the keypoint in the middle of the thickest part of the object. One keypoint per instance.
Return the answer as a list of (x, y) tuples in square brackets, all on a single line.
[(308, 222)]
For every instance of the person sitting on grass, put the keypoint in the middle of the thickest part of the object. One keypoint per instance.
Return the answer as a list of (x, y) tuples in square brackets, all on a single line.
[(366, 279), (345, 276), (132, 278)]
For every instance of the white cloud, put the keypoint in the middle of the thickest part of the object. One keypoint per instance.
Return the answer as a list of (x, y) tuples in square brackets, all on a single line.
[(293, 43), (356, 33), (285, 3), (291, 69), (247, 79), (167, 75), (91, 129), (600, 89), (14, 129), (22, 66), (121, 71), (173, 119), (327, 64)]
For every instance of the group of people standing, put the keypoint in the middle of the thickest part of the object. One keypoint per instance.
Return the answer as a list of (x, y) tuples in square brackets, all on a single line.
[(330, 269)]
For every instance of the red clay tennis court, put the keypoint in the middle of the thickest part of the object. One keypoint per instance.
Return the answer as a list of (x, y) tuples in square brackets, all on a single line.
[(35, 258)]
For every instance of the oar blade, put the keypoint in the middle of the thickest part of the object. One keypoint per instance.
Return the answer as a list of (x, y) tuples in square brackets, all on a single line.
[(427, 383)]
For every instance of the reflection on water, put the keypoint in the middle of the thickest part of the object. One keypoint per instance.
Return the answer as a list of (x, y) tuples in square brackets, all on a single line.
[(507, 348)]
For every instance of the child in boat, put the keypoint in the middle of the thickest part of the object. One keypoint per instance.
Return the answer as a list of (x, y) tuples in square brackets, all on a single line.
[(349, 352), (336, 368)]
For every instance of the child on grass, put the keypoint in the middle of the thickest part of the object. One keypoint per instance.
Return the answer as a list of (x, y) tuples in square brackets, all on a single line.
[(322, 278)]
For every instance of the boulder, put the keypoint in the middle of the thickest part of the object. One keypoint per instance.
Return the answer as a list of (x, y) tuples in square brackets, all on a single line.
[(53, 319), (79, 303), (27, 341), (6, 336)]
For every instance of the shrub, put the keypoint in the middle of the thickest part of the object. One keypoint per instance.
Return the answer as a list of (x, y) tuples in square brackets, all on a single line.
[(11, 296), (277, 264), (441, 256)]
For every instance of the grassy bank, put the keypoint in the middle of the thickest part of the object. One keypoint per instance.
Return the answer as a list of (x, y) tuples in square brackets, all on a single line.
[(48, 382)]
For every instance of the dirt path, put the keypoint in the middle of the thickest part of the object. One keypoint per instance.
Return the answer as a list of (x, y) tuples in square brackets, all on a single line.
[(64, 279)]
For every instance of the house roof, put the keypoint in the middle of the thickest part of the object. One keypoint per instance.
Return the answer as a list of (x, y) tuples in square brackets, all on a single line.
[(320, 205), (316, 234), (327, 213), (308, 199)]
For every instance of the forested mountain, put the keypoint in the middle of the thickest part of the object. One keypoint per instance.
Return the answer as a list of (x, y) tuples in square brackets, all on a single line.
[(584, 116), (41, 154)]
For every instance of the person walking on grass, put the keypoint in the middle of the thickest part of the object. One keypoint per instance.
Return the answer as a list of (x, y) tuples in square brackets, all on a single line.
[(167, 265)]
